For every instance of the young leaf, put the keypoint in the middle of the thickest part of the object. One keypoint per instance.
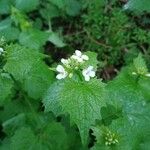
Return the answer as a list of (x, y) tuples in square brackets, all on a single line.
[(55, 39), (82, 100), (140, 65)]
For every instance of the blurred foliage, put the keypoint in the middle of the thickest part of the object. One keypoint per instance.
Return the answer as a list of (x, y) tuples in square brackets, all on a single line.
[(34, 35)]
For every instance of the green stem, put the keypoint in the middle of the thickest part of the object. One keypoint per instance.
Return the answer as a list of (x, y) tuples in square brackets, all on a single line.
[(80, 76), (52, 69)]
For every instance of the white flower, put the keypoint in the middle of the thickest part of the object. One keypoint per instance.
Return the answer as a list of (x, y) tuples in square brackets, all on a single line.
[(62, 73), (79, 56), (88, 73), (65, 61), (134, 73), (1, 50), (147, 75)]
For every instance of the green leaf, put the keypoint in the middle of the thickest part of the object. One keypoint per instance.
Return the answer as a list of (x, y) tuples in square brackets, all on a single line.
[(8, 31), (82, 100), (71, 7), (5, 145), (55, 39), (109, 113), (19, 106), (51, 136), (40, 77), (29, 70), (5, 6), (128, 135), (127, 91), (49, 11), (59, 3), (138, 5), (24, 139), (27, 5), (13, 124), (6, 85), (23, 59), (33, 38)]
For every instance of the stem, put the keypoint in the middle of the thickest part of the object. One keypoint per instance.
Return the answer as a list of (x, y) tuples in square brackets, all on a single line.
[(80, 76), (52, 69)]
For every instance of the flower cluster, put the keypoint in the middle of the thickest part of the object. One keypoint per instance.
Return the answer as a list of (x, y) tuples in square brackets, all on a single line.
[(110, 138), (1, 51), (141, 71), (74, 63), (145, 74)]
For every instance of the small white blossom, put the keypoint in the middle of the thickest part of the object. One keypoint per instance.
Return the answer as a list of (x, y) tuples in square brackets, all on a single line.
[(147, 75), (64, 61), (88, 73), (79, 56), (134, 73), (1, 50), (62, 73)]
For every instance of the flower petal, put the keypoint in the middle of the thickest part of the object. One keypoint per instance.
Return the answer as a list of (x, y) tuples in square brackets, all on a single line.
[(64, 61), (85, 57), (92, 74), (79, 59), (78, 53), (59, 76), (60, 68), (87, 78), (84, 72), (90, 68), (74, 57)]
